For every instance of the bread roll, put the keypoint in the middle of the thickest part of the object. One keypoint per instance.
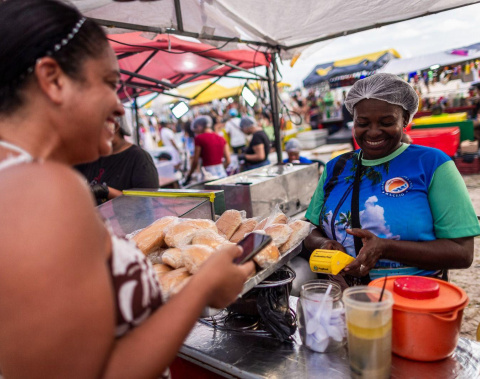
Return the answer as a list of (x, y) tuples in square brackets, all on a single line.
[(180, 234), (153, 236), (300, 231), (278, 218), (208, 237), (194, 256), (202, 224), (173, 257), (155, 257), (229, 222), (172, 282), (280, 233), (161, 269), (268, 256), (261, 224), (245, 227)]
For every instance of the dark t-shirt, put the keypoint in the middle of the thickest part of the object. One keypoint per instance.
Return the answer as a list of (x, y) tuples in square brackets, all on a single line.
[(212, 146), (258, 138), (132, 168)]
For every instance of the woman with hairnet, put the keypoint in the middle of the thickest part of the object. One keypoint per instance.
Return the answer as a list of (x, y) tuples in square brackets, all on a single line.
[(210, 147), (399, 209)]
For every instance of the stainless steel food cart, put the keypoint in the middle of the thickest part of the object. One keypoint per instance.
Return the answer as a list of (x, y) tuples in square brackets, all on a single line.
[(259, 190)]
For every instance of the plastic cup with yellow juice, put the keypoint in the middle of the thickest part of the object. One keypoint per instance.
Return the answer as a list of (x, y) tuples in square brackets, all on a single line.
[(369, 331)]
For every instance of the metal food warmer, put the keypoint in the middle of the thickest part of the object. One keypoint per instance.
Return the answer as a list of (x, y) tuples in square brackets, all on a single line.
[(139, 208), (259, 190)]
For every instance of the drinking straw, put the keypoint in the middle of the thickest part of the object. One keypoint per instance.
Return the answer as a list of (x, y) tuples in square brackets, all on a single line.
[(383, 288)]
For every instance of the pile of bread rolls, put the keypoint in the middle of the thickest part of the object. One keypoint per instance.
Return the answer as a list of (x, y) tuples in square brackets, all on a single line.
[(178, 247)]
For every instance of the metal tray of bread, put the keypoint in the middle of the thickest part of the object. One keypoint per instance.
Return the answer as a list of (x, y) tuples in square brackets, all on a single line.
[(266, 272)]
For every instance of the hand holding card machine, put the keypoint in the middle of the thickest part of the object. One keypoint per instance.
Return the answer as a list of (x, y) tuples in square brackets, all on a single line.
[(252, 244)]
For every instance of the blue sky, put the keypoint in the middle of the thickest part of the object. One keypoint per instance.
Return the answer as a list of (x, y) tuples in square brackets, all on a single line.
[(443, 31)]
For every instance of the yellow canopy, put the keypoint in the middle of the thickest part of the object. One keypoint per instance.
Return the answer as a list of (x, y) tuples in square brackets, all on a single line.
[(256, 85), (370, 57), (356, 60), (216, 91)]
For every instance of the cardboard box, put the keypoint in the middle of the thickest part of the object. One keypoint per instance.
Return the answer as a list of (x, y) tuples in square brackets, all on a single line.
[(469, 147)]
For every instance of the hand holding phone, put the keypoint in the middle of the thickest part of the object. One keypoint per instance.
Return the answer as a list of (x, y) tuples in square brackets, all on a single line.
[(252, 244)]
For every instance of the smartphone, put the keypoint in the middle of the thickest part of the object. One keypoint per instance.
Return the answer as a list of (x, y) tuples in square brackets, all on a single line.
[(252, 244)]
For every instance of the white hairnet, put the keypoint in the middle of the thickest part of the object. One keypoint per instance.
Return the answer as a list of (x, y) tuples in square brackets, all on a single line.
[(385, 87), (293, 145)]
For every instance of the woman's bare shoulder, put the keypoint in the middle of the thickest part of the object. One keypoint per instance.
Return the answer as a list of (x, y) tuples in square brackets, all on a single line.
[(48, 204), (52, 271)]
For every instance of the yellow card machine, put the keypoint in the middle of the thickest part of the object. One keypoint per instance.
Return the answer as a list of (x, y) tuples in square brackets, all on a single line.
[(329, 261)]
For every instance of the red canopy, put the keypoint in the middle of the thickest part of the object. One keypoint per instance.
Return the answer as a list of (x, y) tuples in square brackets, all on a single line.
[(167, 62)]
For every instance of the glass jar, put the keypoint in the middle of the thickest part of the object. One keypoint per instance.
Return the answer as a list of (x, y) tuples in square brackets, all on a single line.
[(321, 316)]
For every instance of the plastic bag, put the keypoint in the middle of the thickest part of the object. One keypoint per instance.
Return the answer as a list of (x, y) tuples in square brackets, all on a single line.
[(276, 217)]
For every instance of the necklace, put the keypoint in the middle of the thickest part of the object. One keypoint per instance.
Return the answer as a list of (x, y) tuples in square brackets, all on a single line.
[(23, 157)]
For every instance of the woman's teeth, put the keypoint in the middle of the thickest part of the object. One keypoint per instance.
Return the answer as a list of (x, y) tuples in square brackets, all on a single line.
[(374, 143), (110, 126)]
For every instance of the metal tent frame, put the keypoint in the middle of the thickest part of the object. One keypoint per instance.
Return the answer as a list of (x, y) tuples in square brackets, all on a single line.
[(272, 48)]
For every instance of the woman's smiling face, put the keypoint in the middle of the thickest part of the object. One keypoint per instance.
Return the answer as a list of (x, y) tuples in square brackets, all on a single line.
[(378, 127)]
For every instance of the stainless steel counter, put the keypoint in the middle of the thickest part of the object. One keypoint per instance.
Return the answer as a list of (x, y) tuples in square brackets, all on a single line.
[(258, 191), (232, 354)]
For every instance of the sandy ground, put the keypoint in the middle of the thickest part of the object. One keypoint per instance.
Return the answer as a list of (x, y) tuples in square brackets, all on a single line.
[(469, 279)]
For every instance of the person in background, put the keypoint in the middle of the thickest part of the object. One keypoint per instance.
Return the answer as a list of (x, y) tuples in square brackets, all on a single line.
[(293, 147), (237, 137), (129, 166), (167, 135), (75, 300), (399, 209), (346, 115), (210, 148), (315, 112), (256, 154), (438, 110), (188, 140)]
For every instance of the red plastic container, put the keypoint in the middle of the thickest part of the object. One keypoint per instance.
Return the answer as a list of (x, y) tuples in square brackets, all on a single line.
[(427, 315), (468, 167), (445, 139)]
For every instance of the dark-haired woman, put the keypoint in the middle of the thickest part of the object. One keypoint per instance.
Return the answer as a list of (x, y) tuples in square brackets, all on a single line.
[(74, 300), (399, 209)]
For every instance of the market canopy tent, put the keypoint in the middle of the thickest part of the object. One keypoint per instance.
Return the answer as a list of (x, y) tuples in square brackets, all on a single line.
[(165, 62), (423, 62), (212, 91), (282, 26), (285, 25), (368, 63), (208, 92)]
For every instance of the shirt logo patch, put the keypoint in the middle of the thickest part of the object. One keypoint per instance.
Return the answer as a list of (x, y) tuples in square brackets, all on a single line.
[(396, 186)]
